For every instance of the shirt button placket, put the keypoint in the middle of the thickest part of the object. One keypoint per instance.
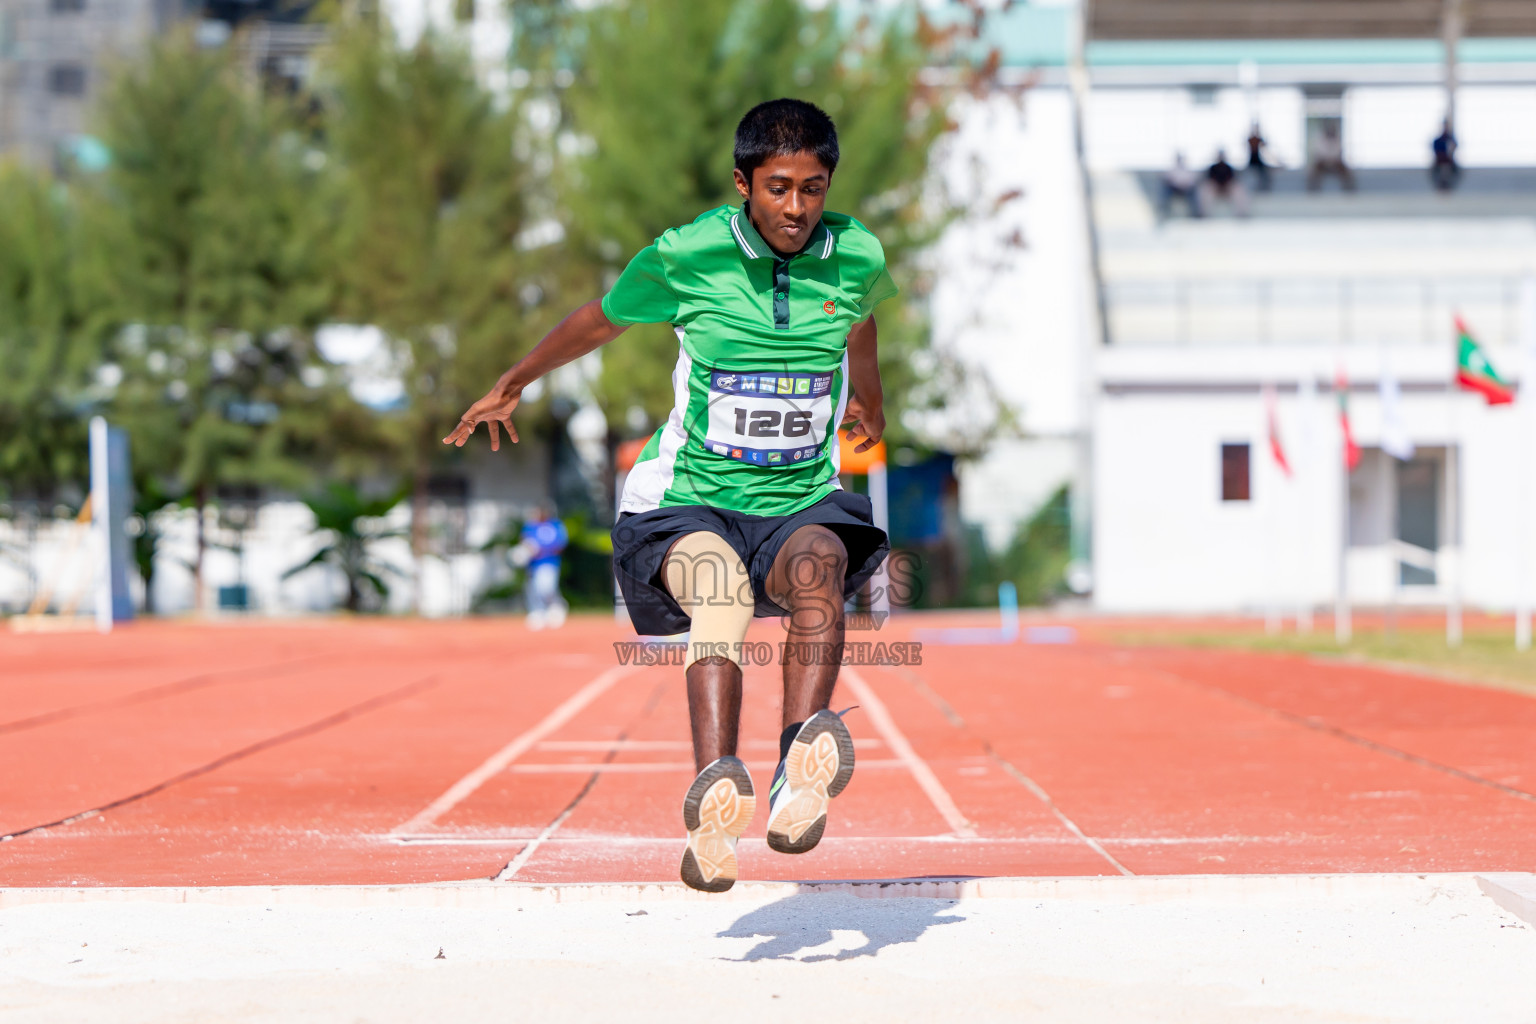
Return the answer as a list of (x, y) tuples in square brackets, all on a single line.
[(780, 294)]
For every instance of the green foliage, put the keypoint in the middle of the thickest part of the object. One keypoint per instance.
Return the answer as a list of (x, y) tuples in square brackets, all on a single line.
[(44, 368), (1035, 560), (427, 201), (351, 522), (658, 91), (199, 273)]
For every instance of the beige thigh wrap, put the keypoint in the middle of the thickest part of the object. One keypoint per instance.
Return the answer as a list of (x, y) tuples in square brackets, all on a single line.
[(705, 576)]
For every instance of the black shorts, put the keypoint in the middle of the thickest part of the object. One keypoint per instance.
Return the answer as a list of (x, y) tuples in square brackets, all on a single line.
[(641, 541)]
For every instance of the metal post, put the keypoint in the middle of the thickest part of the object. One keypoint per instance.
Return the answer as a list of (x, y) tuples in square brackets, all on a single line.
[(1452, 22), (1342, 626), (1525, 423), (880, 582), (1389, 488), (1453, 535)]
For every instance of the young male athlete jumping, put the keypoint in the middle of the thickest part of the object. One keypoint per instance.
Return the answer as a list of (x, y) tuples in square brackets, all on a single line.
[(734, 506)]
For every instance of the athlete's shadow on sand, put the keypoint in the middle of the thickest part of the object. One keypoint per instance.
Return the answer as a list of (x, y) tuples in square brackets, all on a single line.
[(808, 920)]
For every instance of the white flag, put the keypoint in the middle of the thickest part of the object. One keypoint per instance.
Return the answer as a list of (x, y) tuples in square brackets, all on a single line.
[(1394, 432)]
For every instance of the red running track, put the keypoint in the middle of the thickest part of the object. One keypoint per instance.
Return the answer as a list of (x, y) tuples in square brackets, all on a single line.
[(408, 751)]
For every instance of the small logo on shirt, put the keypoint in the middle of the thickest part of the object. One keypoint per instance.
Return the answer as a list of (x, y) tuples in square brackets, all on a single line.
[(786, 385), (727, 380), (774, 457), (829, 307), (821, 384), (719, 449), (802, 386), (735, 453), (749, 383)]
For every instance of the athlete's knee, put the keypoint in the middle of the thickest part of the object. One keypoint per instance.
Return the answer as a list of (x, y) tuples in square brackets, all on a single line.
[(814, 559), (709, 582)]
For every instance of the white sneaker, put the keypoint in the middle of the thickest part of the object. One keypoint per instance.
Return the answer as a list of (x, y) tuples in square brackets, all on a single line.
[(535, 620), (556, 616), (716, 811), (815, 767)]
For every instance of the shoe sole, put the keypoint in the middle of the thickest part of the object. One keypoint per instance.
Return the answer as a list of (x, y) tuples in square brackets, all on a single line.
[(716, 811), (818, 767)]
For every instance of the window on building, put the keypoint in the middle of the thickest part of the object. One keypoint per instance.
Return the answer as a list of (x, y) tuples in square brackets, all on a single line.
[(1202, 95), (1235, 476), (66, 6), (66, 80)]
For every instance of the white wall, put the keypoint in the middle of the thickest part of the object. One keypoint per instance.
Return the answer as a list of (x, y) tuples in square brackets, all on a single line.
[(1011, 299), (1165, 542), (1384, 125), (1145, 128)]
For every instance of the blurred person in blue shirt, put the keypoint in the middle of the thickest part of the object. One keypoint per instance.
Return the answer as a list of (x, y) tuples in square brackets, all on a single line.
[(1445, 171), (544, 538)]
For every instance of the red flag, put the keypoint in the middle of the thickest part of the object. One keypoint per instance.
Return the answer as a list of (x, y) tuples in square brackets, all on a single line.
[(1275, 447), (1351, 450)]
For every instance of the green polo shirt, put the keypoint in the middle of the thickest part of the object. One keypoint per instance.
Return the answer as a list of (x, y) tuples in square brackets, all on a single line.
[(762, 370)]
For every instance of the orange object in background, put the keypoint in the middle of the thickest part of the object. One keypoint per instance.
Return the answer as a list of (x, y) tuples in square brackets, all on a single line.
[(850, 461), (628, 451)]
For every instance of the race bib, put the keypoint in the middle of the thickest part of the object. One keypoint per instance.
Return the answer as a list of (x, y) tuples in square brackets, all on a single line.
[(769, 419)]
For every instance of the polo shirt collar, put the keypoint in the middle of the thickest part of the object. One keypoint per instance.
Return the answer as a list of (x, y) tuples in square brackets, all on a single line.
[(753, 247)]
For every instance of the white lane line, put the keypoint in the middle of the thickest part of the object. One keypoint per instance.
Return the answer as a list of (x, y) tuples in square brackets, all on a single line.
[(606, 745), (603, 746), (1061, 816), (526, 853), (588, 767), (508, 839), (498, 762), (897, 742)]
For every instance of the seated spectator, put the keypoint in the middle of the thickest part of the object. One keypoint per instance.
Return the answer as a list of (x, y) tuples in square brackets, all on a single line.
[(1328, 158), (1222, 184), (1180, 183), (1258, 167), (1444, 173)]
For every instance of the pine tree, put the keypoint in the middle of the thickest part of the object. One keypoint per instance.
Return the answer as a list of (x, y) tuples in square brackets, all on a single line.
[(429, 198), (197, 270), (44, 360)]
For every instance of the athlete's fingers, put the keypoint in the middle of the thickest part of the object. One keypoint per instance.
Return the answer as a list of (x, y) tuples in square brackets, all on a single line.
[(495, 435), (457, 435), (511, 430), (868, 443)]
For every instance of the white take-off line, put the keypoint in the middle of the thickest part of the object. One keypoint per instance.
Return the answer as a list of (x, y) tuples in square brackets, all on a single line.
[(499, 761), (896, 740)]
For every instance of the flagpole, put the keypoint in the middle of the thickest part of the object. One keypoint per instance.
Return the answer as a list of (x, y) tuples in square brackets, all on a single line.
[(1525, 422), (1273, 620), (1306, 396), (1453, 525), (1343, 627)]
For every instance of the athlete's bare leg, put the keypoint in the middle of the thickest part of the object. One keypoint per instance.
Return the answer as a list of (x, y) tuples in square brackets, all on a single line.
[(807, 578), (714, 709)]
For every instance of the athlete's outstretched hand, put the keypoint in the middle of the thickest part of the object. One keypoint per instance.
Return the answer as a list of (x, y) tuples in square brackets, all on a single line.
[(495, 408), (868, 423), (583, 331)]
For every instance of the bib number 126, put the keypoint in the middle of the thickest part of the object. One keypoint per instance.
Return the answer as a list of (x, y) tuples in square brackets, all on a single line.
[(770, 423)]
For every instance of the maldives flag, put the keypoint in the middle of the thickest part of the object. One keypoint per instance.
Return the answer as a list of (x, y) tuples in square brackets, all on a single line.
[(1275, 447), (1351, 450), (1475, 373)]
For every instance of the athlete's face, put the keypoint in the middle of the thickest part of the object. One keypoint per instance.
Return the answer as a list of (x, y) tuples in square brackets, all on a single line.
[(787, 194)]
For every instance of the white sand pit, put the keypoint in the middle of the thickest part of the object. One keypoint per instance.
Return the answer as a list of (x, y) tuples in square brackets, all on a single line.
[(1430, 948)]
